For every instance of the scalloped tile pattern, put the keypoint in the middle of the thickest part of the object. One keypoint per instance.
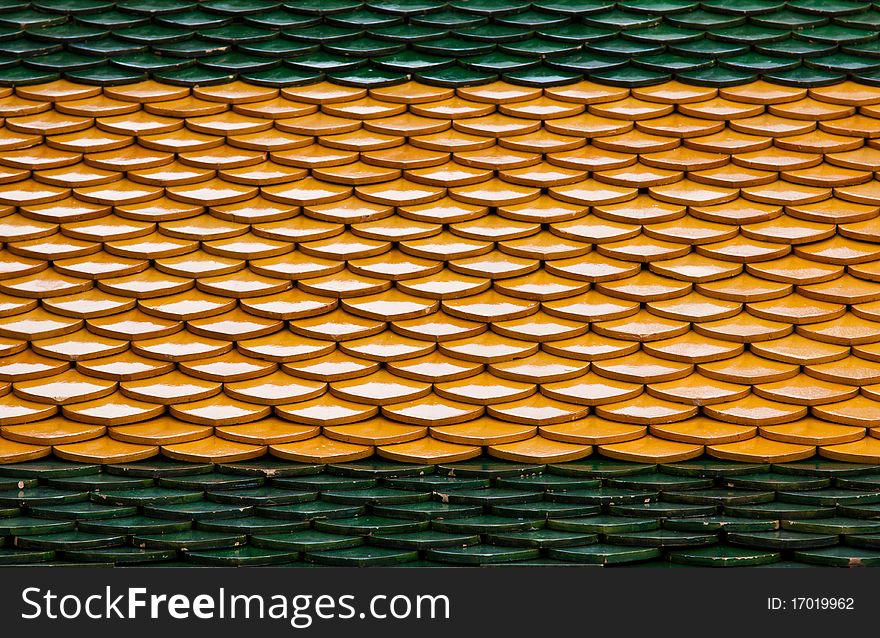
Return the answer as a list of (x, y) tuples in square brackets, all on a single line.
[(449, 43), (478, 512), (324, 273)]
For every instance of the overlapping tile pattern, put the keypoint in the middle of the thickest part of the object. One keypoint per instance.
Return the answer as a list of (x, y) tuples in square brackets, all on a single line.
[(455, 43), (482, 512), (322, 273)]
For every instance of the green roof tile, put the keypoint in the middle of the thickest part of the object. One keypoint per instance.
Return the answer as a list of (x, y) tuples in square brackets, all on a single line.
[(421, 39), (709, 513)]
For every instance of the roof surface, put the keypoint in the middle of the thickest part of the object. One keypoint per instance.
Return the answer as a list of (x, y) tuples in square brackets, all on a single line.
[(354, 243), (488, 512), (457, 43), (425, 272)]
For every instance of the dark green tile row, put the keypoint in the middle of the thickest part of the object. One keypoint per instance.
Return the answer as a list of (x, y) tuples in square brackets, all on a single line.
[(482, 512), (455, 42)]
